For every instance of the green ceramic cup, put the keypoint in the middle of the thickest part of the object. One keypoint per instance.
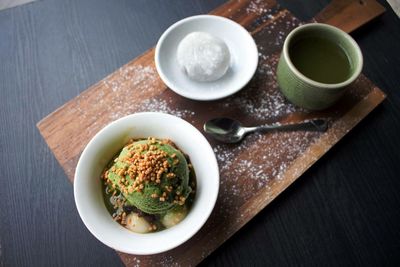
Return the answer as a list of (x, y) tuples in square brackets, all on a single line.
[(305, 92)]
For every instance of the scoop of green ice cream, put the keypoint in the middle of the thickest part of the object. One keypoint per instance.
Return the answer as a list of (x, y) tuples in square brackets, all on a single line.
[(152, 175)]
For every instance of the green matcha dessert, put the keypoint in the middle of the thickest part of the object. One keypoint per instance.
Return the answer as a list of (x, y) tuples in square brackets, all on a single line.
[(149, 185)]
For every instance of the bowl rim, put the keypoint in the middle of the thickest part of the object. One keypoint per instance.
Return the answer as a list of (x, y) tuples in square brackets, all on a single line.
[(183, 238), (335, 30), (245, 80)]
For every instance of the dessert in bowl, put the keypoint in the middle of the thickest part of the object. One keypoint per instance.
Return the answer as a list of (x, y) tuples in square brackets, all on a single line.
[(206, 57), (159, 215)]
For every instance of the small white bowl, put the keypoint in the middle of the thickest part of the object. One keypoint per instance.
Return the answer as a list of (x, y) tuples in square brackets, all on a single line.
[(243, 50), (106, 143)]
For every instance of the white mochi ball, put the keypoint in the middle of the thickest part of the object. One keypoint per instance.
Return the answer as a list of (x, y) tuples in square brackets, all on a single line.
[(203, 57), (137, 224)]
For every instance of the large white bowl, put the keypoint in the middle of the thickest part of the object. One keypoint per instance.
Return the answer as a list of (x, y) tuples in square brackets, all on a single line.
[(106, 143), (243, 50)]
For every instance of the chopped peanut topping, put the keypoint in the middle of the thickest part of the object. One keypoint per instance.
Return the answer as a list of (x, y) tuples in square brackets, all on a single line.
[(145, 164)]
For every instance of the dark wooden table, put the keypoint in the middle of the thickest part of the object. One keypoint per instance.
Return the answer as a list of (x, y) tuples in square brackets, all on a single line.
[(344, 211)]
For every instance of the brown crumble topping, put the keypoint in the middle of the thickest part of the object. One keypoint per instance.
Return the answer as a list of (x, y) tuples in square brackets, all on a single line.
[(145, 167), (123, 219), (142, 164), (171, 175)]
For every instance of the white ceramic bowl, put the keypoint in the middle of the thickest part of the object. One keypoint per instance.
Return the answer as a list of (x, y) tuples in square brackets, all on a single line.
[(243, 50), (106, 143)]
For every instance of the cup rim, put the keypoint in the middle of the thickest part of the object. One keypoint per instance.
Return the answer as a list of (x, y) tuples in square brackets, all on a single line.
[(348, 81)]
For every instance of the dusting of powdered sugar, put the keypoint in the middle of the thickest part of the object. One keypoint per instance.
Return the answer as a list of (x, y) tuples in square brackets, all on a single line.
[(261, 101), (162, 260), (261, 160), (132, 261), (164, 106), (257, 7), (268, 103), (258, 160), (132, 76)]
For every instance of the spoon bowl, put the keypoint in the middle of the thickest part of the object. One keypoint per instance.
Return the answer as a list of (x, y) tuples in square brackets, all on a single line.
[(225, 130)]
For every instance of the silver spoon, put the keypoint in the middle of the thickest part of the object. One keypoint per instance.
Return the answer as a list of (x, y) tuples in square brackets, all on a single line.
[(231, 131)]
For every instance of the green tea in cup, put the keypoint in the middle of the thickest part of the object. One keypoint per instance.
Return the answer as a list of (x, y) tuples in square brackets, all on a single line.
[(318, 62)]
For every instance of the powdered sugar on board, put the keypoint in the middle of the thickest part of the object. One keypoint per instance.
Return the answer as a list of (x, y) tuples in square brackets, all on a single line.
[(252, 172), (267, 104), (259, 159), (133, 76), (257, 7), (164, 106)]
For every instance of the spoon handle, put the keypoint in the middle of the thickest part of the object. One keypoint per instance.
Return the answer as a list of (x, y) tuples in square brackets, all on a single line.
[(318, 125)]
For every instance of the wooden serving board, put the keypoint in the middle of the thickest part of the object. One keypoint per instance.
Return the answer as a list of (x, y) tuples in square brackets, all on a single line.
[(253, 172)]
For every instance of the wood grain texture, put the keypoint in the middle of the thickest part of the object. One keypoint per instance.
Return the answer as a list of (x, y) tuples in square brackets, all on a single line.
[(343, 211), (349, 15), (248, 182)]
